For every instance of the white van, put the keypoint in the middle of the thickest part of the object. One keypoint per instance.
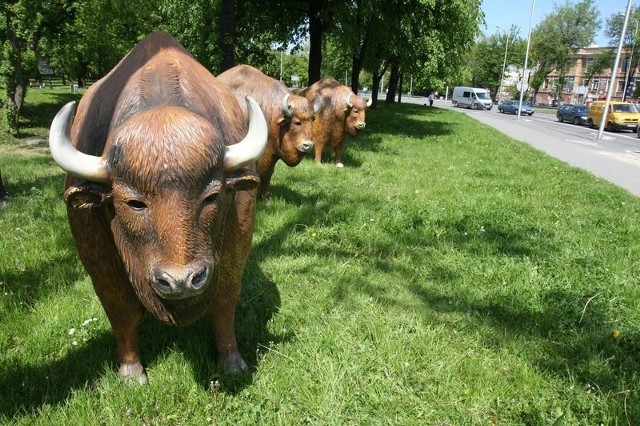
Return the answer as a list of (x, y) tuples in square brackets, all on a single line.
[(471, 97)]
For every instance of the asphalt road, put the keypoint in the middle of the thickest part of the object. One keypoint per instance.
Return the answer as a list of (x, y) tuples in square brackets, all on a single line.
[(615, 157)]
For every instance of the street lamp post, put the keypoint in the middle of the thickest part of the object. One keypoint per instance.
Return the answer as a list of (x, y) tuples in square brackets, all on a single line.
[(633, 45), (526, 58), (504, 64)]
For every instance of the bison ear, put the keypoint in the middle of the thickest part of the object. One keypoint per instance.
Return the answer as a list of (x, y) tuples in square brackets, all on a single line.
[(242, 180), (87, 195)]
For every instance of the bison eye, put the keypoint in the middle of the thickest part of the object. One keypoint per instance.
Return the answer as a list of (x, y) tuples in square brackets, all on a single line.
[(136, 204), (211, 198)]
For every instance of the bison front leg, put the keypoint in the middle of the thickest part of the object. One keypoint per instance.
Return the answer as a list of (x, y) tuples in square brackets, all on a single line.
[(339, 150), (318, 148), (125, 315), (265, 181), (223, 319), (111, 284), (237, 243)]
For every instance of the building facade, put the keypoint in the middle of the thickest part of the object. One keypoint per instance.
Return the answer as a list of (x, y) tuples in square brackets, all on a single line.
[(578, 88)]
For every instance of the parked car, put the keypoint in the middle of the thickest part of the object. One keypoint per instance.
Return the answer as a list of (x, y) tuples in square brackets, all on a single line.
[(573, 113), (512, 107), (620, 116)]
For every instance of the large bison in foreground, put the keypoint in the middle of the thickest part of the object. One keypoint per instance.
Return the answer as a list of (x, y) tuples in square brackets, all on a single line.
[(289, 118), (160, 194), (341, 112)]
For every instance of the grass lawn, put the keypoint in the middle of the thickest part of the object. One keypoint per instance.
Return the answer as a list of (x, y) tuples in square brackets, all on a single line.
[(448, 275)]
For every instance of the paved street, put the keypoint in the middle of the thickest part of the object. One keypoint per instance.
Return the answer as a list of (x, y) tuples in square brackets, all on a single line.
[(615, 158)]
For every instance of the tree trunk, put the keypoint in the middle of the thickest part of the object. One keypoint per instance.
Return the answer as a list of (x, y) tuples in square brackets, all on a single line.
[(393, 83), (375, 87), (400, 88), (316, 28), (15, 86), (377, 77), (358, 57), (228, 34)]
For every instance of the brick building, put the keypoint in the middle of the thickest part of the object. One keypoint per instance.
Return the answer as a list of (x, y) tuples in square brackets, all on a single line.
[(575, 89)]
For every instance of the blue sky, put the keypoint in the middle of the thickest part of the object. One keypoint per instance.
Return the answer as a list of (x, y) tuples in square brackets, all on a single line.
[(517, 12)]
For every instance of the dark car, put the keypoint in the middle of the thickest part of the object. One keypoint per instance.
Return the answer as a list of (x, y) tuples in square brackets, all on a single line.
[(512, 107), (573, 113)]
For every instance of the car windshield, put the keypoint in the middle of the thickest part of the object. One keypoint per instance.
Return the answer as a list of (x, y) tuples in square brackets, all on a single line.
[(624, 108), (482, 95), (581, 109)]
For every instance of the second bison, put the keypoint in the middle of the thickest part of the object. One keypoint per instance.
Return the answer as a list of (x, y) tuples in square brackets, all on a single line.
[(289, 118)]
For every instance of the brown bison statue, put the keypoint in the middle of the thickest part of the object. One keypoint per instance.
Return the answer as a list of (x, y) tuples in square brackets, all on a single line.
[(341, 113), (161, 193), (289, 118)]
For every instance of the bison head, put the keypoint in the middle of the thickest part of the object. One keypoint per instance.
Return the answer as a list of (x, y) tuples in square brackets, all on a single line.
[(355, 108), (166, 182), (295, 128)]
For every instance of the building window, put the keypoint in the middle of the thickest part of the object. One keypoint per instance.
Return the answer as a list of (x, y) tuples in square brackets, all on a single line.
[(595, 84), (620, 85)]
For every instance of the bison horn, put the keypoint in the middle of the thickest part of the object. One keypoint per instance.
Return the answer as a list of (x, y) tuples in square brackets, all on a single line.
[(317, 104), (369, 102), (251, 147), (67, 156), (348, 102), (286, 109)]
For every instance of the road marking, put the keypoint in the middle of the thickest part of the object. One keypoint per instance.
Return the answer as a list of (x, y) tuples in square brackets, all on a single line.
[(627, 157), (582, 142)]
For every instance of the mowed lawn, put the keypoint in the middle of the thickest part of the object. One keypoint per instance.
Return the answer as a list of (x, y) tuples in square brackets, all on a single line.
[(448, 275)]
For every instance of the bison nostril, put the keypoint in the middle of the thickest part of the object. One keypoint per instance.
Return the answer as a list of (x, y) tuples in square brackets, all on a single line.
[(180, 281), (362, 125), (200, 278), (163, 282)]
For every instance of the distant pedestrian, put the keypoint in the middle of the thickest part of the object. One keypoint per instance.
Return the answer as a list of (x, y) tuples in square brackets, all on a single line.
[(431, 97)]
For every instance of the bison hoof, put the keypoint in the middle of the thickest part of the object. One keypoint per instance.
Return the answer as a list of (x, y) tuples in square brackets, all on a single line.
[(133, 373), (232, 363), (339, 165)]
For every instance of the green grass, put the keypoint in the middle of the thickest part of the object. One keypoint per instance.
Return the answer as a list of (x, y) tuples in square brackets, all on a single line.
[(449, 275)]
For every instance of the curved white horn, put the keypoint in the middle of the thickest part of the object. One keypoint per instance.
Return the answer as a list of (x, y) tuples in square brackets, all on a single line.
[(317, 103), (66, 155), (251, 147), (285, 106), (348, 102), (369, 102)]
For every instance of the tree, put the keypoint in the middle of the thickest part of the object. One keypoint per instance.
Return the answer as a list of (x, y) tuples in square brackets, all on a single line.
[(227, 34), (601, 62), (561, 33), (491, 53), (613, 29), (18, 20), (438, 32)]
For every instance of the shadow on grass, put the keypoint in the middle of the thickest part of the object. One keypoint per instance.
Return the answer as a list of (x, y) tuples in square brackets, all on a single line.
[(40, 115), (26, 388), (397, 120), (570, 330), (30, 386), (570, 340)]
